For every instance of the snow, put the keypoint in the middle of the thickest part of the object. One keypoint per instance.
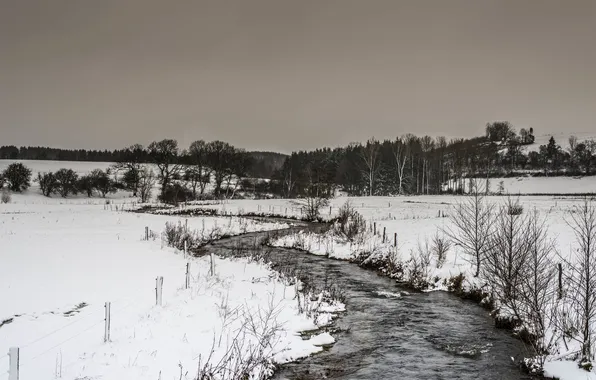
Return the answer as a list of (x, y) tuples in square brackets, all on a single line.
[(561, 138), (566, 370), (62, 259), (59, 253)]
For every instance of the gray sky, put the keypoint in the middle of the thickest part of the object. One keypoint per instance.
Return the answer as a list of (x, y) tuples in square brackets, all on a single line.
[(283, 75)]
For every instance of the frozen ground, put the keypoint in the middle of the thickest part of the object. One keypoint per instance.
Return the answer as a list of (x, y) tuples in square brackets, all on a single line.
[(62, 259)]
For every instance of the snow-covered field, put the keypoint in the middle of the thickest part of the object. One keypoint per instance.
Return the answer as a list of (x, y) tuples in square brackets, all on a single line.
[(62, 259), (58, 254)]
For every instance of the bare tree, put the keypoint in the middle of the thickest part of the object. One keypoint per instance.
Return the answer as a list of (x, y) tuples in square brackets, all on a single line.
[(471, 230), (219, 157), (165, 155), (507, 255), (131, 163), (146, 184), (582, 279), (199, 171), (372, 163), (400, 154)]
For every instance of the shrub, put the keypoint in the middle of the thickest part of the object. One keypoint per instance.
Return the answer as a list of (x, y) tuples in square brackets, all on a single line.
[(175, 193), (18, 177), (66, 180), (86, 184), (311, 207), (349, 222), (440, 247), (48, 183), (5, 196), (102, 182), (175, 235), (515, 209)]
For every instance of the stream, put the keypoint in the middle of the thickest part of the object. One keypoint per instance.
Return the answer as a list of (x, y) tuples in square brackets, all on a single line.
[(385, 334)]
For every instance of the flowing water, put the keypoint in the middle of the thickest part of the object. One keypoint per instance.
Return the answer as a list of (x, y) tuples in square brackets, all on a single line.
[(386, 334)]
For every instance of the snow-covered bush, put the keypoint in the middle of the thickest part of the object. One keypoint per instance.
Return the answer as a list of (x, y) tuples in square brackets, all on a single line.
[(5, 196)]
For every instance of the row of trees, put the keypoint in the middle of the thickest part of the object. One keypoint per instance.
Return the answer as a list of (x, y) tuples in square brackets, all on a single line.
[(515, 254), (187, 173), (426, 165), (264, 163)]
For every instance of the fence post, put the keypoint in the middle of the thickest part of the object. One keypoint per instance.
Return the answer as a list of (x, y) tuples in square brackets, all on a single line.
[(395, 239), (158, 290), (212, 270), (375, 229), (384, 230), (13, 371), (187, 282), (108, 321), (147, 233), (185, 248), (330, 210), (560, 295)]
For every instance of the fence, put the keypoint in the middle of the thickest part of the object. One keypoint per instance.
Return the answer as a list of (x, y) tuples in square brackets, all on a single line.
[(14, 355)]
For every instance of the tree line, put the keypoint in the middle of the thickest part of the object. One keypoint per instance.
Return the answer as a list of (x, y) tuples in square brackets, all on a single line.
[(425, 165), (263, 163), (406, 165)]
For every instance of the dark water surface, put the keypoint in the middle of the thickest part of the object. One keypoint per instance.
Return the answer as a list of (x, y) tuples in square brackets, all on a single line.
[(385, 335)]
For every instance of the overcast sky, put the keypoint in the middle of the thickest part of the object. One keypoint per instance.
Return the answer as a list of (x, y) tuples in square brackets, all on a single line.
[(284, 75)]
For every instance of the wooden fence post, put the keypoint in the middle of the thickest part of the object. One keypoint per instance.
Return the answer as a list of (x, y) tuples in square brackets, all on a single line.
[(187, 281), (158, 290), (384, 230), (375, 229), (108, 321), (13, 371), (212, 270), (147, 233), (395, 239)]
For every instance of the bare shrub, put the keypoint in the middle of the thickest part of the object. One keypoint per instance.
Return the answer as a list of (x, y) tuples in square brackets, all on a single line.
[(311, 207), (176, 235), (440, 246), (5, 196), (515, 209), (582, 278), (417, 268), (350, 224), (471, 230), (249, 351), (538, 290)]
